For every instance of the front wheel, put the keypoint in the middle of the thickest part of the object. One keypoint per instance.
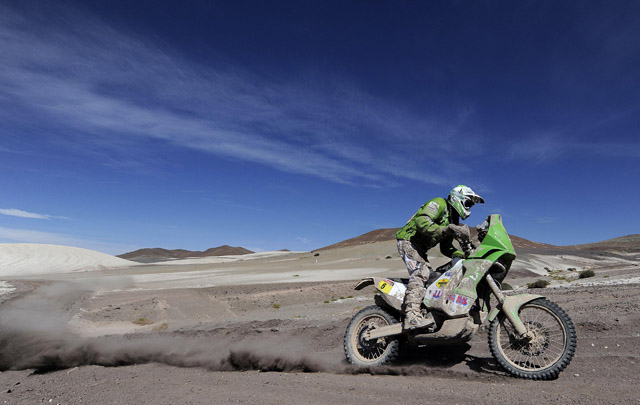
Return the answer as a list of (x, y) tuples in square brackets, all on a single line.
[(374, 352), (549, 348)]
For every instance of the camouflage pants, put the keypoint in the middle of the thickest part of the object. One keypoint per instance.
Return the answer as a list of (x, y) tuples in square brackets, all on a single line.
[(419, 270)]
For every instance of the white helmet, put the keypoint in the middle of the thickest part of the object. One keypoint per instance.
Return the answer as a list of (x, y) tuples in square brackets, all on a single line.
[(462, 199)]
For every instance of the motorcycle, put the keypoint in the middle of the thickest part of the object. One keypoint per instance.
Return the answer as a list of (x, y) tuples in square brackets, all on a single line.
[(529, 336)]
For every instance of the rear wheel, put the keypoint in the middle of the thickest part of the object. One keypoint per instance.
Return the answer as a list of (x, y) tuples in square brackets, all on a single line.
[(374, 352), (549, 348)]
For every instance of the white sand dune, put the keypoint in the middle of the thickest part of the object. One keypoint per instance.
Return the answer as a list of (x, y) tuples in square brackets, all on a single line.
[(27, 259)]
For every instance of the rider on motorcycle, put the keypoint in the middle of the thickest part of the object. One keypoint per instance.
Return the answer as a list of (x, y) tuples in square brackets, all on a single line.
[(437, 221)]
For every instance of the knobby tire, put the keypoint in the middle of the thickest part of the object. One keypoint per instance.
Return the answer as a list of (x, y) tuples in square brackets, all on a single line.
[(375, 352), (547, 354)]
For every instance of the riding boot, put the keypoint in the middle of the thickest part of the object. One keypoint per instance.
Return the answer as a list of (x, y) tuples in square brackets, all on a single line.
[(413, 317)]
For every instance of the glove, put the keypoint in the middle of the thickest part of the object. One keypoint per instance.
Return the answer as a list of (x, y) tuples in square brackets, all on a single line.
[(459, 232)]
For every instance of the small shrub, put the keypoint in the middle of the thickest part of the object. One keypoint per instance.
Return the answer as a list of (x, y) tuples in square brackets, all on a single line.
[(506, 286), (351, 296), (341, 298), (586, 274), (571, 269), (296, 275), (388, 257), (538, 284), (316, 254), (162, 326), (275, 306), (326, 302), (143, 321)]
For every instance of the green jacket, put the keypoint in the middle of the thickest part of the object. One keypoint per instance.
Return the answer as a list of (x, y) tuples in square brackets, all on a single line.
[(425, 228)]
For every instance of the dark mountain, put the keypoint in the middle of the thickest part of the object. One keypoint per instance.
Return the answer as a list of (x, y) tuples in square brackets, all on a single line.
[(379, 235), (522, 243), (628, 244), (388, 234), (225, 250), (151, 255)]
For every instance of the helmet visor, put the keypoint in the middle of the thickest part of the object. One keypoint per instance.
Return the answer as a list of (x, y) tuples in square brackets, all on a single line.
[(468, 203)]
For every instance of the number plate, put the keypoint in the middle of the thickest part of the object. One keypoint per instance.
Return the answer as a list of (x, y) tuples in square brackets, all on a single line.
[(385, 286)]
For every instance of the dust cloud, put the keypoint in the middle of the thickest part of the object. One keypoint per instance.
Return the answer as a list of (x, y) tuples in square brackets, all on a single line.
[(35, 334)]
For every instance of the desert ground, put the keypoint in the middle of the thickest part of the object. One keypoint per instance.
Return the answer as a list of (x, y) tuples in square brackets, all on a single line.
[(267, 328)]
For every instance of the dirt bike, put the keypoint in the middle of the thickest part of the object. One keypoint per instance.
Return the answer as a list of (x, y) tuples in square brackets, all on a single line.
[(529, 336)]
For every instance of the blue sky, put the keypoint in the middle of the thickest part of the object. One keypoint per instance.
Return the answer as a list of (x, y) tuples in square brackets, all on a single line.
[(295, 125)]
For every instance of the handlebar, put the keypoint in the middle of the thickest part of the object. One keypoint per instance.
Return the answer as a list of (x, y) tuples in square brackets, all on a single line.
[(467, 247)]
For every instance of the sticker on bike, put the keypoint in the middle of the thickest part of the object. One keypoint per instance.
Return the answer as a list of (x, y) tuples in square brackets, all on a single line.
[(443, 282)]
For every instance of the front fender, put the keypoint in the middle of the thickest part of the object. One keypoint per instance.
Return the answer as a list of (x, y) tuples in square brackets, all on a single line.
[(512, 304)]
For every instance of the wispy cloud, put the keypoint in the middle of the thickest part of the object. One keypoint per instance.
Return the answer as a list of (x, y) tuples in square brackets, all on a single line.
[(25, 214), (109, 90), (540, 148), (303, 240)]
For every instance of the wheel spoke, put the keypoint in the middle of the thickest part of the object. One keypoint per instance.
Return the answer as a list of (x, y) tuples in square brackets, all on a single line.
[(370, 350), (546, 347)]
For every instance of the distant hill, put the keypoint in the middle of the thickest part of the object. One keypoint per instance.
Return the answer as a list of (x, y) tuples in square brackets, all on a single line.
[(388, 234), (379, 235), (522, 243), (150, 255), (628, 244)]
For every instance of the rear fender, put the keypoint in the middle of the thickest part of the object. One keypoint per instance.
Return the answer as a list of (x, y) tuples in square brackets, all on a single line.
[(392, 292), (364, 283)]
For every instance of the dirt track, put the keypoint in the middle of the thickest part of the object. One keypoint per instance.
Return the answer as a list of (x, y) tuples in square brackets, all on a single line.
[(282, 343)]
